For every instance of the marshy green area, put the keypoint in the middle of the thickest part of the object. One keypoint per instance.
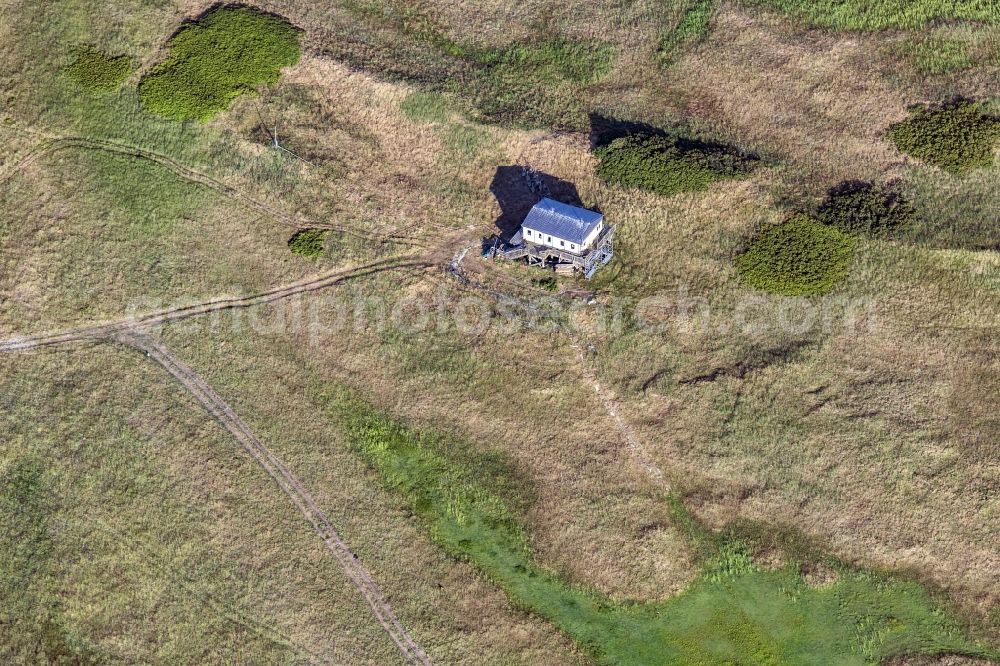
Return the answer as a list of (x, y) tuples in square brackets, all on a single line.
[(212, 61), (735, 612)]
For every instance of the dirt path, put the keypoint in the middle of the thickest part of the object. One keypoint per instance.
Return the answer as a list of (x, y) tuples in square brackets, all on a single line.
[(110, 329), (636, 448), (126, 331), (55, 144), (303, 501)]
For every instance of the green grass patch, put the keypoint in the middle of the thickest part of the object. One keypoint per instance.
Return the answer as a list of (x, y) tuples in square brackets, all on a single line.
[(940, 55), (536, 84), (868, 15), (957, 136), (799, 257), (735, 613), (692, 27), (308, 242), (464, 142), (99, 72), (860, 207), (669, 164), (211, 62), (553, 60), (426, 107)]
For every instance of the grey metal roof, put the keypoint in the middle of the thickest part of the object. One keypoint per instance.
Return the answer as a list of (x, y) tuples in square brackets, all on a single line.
[(560, 220)]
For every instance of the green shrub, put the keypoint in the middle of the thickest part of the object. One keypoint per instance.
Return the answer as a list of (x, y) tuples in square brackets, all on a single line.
[(957, 136), (308, 242), (668, 164), (216, 59), (99, 72), (797, 258), (860, 207)]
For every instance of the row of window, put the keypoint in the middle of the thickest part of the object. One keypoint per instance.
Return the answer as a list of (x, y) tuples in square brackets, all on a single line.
[(562, 243)]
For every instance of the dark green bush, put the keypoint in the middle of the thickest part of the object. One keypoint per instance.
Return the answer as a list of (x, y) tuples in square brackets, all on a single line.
[(308, 242), (668, 164), (212, 61), (797, 258), (98, 71), (957, 136), (860, 207)]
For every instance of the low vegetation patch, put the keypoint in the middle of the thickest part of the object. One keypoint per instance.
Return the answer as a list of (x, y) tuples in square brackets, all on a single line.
[(799, 257), (428, 107), (860, 207), (553, 60), (868, 15), (735, 613), (936, 55), (98, 71), (211, 62), (957, 136), (537, 84), (669, 164), (308, 242), (692, 27)]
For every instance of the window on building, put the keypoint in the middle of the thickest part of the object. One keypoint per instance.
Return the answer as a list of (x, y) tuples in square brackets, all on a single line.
[(550, 239), (572, 246), (562, 243)]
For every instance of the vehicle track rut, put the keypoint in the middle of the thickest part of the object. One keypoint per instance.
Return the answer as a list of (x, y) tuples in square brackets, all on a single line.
[(55, 144), (109, 329), (221, 411)]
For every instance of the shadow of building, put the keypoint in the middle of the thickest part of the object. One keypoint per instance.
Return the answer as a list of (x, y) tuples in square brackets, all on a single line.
[(518, 188)]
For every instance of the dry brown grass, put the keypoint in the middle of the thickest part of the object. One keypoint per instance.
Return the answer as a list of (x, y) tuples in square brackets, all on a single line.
[(812, 99), (874, 441), (880, 444), (595, 518)]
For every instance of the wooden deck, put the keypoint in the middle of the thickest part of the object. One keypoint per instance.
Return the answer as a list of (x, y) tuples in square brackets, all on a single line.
[(588, 262)]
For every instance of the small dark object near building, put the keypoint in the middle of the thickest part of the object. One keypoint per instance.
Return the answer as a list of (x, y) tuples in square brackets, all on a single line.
[(562, 237)]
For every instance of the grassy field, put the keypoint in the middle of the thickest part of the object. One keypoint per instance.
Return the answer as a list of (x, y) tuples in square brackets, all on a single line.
[(118, 553), (861, 15), (478, 475), (736, 613)]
